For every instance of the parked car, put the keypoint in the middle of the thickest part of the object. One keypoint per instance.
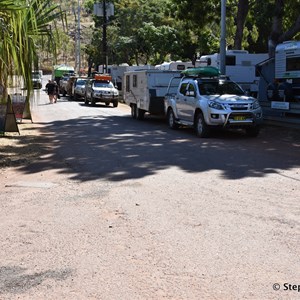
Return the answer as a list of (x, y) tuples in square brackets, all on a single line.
[(79, 88), (101, 89), (63, 83), (36, 80), (204, 100)]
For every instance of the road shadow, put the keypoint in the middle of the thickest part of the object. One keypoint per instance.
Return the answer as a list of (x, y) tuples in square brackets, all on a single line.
[(16, 280), (118, 148)]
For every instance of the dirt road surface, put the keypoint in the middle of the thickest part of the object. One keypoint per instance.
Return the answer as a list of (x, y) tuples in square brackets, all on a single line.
[(95, 205)]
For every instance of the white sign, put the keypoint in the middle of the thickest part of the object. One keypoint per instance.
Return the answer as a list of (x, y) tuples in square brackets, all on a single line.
[(280, 105)]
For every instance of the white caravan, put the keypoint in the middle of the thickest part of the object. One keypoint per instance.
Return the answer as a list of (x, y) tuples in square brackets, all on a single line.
[(287, 60), (144, 91), (175, 66), (279, 85), (240, 67), (117, 72)]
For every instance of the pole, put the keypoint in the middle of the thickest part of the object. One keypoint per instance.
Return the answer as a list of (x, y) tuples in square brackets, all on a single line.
[(78, 40), (223, 38), (105, 58)]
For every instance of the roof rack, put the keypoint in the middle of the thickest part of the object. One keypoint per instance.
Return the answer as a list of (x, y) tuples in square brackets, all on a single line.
[(102, 77)]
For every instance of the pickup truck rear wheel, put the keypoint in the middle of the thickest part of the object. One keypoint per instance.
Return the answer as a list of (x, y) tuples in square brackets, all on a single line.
[(202, 129), (171, 119)]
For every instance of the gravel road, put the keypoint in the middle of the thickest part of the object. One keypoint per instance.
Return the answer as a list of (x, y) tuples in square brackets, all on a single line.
[(95, 205)]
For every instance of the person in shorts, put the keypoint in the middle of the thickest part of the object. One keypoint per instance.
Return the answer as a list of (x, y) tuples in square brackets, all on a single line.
[(52, 91)]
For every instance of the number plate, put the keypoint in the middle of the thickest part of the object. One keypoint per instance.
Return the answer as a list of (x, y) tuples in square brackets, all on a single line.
[(239, 118)]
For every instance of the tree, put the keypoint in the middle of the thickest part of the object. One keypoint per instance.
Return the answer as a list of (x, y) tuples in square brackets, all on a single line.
[(142, 32), (243, 8), (21, 23), (248, 22), (281, 33)]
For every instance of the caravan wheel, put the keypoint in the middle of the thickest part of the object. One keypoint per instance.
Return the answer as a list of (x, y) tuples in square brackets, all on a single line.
[(140, 113), (133, 111)]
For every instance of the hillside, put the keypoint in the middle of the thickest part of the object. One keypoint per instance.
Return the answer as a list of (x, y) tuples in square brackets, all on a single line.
[(66, 46)]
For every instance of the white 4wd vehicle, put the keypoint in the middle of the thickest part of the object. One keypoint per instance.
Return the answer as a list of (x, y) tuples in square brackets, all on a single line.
[(101, 89), (78, 88), (204, 100)]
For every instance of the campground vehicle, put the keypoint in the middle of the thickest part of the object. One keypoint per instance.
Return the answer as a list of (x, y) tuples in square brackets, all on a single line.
[(78, 88), (144, 91), (240, 67), (101, 89), (279, 85), (37, 79), (60, 70), (205, 100), (64, 84), (174, 66)]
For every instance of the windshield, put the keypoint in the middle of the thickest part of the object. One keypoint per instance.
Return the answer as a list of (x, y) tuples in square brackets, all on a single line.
[(80, 82), (220, 87), (104, 84), (36, 76)]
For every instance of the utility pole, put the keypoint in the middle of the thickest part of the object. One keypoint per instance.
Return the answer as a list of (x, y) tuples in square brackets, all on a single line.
[(105, 58), (105, 10), (223, 38), (78, 54)]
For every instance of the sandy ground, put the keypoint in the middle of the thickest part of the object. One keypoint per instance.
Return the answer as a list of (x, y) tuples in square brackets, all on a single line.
[(154, 220)]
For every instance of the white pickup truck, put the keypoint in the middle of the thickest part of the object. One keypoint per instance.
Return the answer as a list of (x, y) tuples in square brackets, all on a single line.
[(206, 100)]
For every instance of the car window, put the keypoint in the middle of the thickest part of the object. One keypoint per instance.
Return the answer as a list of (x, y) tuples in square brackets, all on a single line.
[(183, 88), (80, 82), (36, 76), (229, 88), (219, 88), (103, 84)]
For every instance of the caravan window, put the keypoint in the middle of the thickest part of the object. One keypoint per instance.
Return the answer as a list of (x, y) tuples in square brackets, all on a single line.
[(127, 83), (293, 64), (180, 67), (134, 81), (230, 60)]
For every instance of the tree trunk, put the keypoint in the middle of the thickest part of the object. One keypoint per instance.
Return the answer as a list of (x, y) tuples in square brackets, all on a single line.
[(243, 8), (276, 32), (288, 35)]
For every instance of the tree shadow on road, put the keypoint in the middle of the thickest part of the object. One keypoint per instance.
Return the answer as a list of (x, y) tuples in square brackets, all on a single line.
[(117, 148), (16, 280)]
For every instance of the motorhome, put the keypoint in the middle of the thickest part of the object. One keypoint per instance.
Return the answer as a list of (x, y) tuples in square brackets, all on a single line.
[(240, 66), (144, 91), (279, 85), (174, 66)]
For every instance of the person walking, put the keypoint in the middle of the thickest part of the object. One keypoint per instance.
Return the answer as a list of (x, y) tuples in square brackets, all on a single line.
[(52, 91)]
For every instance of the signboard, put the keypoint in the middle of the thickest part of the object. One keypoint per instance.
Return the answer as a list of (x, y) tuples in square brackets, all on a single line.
[(18, 104), (7, 118), (280, 105)]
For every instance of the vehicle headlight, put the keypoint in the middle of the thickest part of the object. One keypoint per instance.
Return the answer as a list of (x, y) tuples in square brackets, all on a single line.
[(215, 105), (255, 105)]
